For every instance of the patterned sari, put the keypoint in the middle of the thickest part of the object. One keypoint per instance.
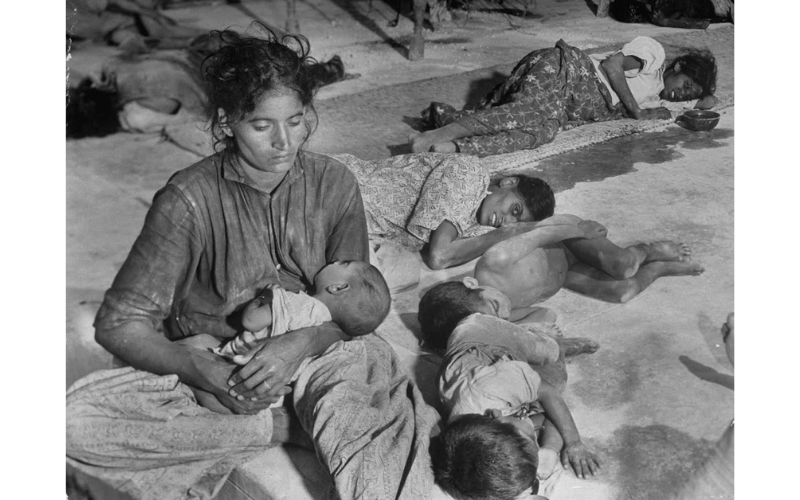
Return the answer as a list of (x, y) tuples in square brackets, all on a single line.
[(548, 90)]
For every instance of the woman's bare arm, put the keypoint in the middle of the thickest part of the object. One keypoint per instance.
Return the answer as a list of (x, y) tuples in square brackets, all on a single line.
[(615, 66)]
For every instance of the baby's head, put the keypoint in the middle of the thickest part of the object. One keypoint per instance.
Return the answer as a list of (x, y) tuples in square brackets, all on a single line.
[(517, 198), (478, 456), (444, 305), (692, 75), (356, 295)]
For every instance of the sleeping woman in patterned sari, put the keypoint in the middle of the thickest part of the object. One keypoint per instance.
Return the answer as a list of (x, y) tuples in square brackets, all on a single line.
[(561, 88)]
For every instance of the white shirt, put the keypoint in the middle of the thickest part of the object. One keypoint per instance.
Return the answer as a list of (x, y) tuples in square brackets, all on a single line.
[(645, 83)]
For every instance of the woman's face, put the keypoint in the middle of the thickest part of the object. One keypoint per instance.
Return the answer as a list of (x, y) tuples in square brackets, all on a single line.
[(269, 137), (679, 87)]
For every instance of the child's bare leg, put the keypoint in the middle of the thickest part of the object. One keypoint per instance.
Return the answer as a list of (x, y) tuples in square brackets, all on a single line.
[(257, 314), (554, 374), (623, 263), (572, 346), (587, 280), (203, 341), (208, 400)]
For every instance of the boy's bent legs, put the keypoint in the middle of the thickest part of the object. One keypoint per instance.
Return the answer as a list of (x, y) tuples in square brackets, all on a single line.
[(587, 280), (145, 435), (623, 263)]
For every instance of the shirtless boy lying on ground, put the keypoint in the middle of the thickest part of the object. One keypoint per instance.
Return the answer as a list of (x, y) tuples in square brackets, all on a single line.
[(564, 251)]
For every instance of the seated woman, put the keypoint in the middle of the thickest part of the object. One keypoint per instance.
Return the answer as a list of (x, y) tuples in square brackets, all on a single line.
[(563, 87), (259, 212)]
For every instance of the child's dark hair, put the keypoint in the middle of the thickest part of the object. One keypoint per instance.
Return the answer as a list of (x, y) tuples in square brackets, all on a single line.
[(538, 196), (701, 67), (369, 303), (442, 307), (478, 457), (91, 112), (246, 67)]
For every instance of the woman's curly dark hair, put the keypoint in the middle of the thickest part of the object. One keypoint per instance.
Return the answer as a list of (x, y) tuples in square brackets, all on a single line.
[(701, 67), (245, 67)]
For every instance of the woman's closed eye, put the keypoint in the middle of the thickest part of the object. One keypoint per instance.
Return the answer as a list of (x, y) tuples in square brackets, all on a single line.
[(516, 211), (262, 126)]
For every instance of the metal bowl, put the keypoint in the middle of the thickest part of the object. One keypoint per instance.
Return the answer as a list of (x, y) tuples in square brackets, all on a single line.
[(698, 120)]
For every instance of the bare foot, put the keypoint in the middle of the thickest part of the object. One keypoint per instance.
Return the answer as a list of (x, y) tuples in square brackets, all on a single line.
[(667, 251), (572, 346), (678, 268), (550, 329), (445, 147)]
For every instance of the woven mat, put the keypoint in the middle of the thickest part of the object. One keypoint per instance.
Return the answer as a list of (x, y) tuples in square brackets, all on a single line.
[(376, 123)]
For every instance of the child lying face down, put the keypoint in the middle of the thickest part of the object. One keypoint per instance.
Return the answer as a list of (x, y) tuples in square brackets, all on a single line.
[(352, 294), (500, 385)]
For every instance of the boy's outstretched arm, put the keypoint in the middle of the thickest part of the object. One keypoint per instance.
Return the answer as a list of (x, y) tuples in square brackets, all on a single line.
[(509, 251), (445, 250), (575, 453)]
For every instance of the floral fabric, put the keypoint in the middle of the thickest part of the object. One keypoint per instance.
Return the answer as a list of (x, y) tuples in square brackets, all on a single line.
[(407, 197)]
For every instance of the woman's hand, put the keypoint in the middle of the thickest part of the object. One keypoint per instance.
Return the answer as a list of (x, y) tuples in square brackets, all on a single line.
[(706, 102), (654, 114), (581, 459), (216, 372), (267, 370)]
